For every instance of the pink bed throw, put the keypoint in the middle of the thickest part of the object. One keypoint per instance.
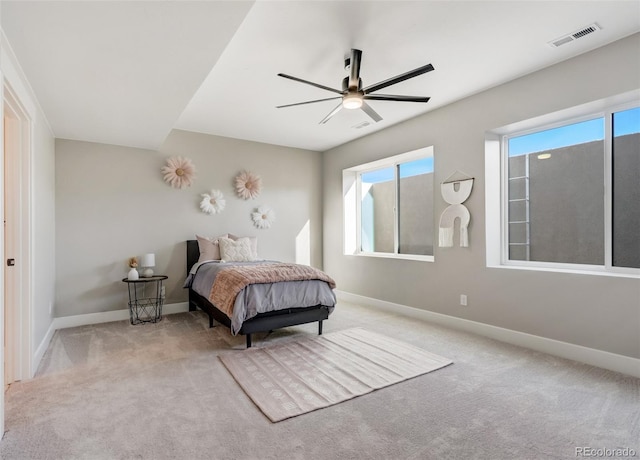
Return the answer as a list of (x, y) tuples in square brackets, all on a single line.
[(230, 281)]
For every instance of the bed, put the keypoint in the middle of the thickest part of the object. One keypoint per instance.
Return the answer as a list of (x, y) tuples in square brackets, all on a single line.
[(274, 311)]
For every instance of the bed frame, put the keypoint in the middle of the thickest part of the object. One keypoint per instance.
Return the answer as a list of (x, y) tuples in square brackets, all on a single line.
[(263, 322)]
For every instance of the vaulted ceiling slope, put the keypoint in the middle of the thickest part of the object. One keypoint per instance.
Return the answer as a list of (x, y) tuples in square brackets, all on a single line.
[(118, 72), (126, 73)]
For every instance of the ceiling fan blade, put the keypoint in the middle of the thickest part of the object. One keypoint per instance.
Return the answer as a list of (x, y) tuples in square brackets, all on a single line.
[(389, 97), (317, 85), (398, 79), (308, 102), (332, 113), (354, 63), (372, 113)]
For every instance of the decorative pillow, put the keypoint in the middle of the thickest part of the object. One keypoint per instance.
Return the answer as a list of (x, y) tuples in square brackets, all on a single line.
[(236, 250), (254, 243), (209, 247)]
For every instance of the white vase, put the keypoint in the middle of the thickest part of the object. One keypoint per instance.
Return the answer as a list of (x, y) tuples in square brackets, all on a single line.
[(133, 274)]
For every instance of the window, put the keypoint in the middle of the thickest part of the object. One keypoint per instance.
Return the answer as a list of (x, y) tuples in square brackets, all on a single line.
[(389, 206), (571, 192)]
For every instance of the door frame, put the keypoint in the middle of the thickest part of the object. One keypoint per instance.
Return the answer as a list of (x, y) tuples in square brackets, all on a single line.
[(17, 176), (15, 91)]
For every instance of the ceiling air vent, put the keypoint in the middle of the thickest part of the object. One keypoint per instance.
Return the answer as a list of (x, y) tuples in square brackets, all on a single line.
[(591, 28), (361, 125)]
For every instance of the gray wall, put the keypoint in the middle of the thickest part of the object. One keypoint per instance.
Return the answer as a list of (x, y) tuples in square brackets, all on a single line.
[(601, 312), (112, 203), (566, 205), (43, 229), (626, 197), (416, 215)]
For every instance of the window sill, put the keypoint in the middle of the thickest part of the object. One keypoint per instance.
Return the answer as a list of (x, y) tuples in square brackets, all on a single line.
[(385, 255), (587, 270)]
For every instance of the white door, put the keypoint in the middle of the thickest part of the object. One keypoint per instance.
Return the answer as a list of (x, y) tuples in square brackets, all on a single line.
[(11, 233), (15, 215)]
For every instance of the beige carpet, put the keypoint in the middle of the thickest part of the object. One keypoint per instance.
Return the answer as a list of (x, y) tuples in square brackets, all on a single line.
[(114, 391), (301, 376)]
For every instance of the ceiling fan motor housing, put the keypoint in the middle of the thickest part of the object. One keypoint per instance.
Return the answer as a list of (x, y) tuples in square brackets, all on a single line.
[(345, 85)]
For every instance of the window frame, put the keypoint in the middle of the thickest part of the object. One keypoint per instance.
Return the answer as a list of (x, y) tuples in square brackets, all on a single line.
[(352, 204), (602, 109)]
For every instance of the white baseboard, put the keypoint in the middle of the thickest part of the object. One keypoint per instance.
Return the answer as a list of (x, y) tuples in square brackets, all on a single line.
[(618, 363), (64, 322)]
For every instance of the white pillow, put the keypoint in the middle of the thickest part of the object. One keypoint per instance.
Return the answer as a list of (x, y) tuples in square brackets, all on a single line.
[(254, 243), (209, 247), (236, 251)]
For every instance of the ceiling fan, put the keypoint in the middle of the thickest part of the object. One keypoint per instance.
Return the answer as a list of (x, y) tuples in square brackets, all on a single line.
[(354, 96)]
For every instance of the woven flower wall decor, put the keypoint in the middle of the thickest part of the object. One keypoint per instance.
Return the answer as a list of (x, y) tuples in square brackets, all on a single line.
[(248, 185), (213, 202), (263, 217), (179, 172)]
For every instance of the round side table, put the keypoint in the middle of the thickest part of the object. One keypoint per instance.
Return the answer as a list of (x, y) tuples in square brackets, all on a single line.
[(145, 307)]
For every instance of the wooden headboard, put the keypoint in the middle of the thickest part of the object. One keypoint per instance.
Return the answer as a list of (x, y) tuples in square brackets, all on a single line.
[(193, 253)]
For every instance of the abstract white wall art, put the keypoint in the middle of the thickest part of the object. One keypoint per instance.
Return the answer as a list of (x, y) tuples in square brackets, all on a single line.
[(455, 192), (212, 202), (263, 217), (248, 185), (179, 172)]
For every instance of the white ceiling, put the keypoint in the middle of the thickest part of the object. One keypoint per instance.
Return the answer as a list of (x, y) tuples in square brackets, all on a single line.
[(126, 73)]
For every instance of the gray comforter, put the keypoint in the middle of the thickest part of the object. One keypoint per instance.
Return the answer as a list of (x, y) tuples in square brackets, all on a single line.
[(261, 298)]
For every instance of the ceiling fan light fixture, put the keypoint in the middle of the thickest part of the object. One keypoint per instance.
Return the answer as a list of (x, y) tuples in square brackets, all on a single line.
[(352, 101)]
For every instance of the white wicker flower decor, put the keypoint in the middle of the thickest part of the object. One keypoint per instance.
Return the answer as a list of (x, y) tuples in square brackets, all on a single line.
[(213, 202), (248, 185), (263, 217), (179, 172)]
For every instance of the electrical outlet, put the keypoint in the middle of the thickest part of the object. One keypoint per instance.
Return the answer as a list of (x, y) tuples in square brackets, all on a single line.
[(162, 292), (463, 299)]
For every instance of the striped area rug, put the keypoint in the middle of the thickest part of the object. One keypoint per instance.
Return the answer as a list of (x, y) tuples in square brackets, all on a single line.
[(301, 376)]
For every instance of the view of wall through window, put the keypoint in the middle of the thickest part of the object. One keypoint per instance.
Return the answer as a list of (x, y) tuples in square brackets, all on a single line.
[(388, 206), (397, 202), (626, 188), (556, 206)]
